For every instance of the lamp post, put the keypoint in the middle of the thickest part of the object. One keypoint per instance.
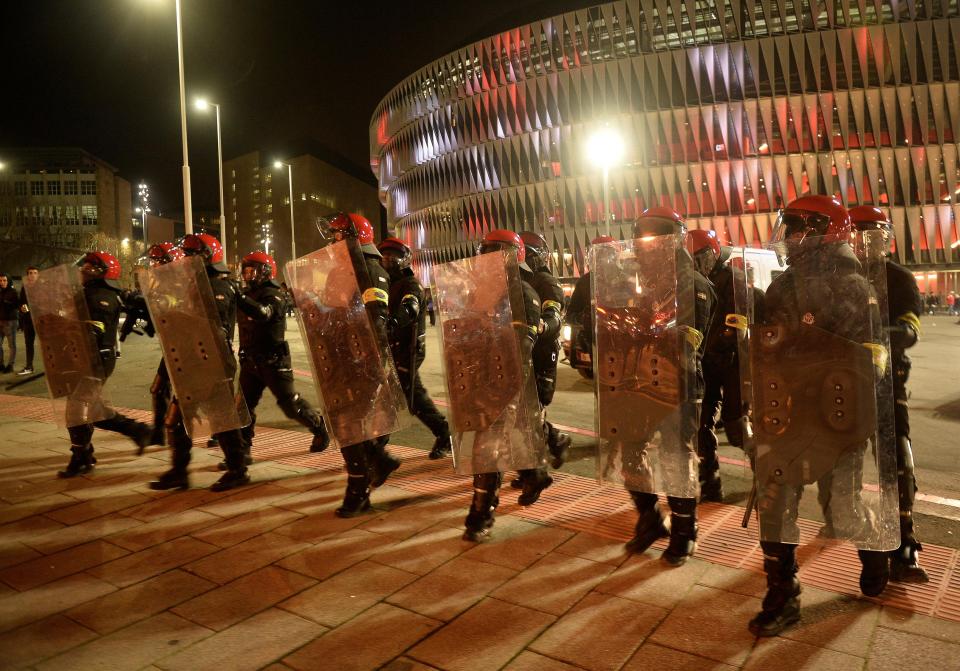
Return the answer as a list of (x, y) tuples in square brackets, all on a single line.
[(293, 233), (605, 149), (187, 199), (143, 194), (204, 105)]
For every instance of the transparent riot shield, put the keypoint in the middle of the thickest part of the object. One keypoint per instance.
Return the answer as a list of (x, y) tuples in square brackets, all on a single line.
[(354, 374), (200, 364), (645, 366), (71, 358), (820, 391), (487, 364)]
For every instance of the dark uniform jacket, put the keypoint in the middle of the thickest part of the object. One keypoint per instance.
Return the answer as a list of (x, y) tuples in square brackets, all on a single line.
[(551, 307), (226, 291), (407, 319), (262, 321), (905, 306), (104, 307)]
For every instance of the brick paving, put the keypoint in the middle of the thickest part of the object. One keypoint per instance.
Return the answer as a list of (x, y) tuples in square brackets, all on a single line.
[(99, 572)]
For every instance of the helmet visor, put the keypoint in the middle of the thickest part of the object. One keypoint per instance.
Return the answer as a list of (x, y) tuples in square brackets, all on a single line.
[(795, 226)]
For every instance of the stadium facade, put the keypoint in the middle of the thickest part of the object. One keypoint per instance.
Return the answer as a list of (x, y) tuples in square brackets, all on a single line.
[(728, 109)]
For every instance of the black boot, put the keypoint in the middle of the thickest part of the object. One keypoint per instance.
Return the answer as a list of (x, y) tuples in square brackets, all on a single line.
[(230, 480), (874, 572), (683, 531), (442, 447), (321, 439), (235, 454), (480, 519), (176, 477), (172, 479), (356, 498), (534, 482), (81, 461), (904, 561), (382, 463), (517, 482), (905, 564), (781, 605), (558, 444), (247, 458), (649, 526)]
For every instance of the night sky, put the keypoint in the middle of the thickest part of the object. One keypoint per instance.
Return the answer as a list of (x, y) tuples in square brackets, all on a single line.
[(102, 75)]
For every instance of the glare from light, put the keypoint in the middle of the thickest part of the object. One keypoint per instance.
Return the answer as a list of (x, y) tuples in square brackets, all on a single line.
[(605, 148), (2, 165), (278, 164), (125, 242), (201, 104)]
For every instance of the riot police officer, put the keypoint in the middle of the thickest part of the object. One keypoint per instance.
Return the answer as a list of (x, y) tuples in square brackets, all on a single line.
[(406, 328), (264, 352), (100, 272), (486, 486), (721, 361), (821, 297), (225, 293), (655, 222), (580, 313), (368, 464), (905, 306)]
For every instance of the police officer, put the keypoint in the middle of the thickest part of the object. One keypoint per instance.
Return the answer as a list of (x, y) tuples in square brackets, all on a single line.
[(580, 312), (225, 293), (264, 352), (101, 271), (905, 306), (406, 328), (659, 221), (821, 286), (721, 361), (368, 464), (486, 486)]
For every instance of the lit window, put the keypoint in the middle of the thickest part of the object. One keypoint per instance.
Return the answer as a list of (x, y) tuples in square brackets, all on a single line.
[(89, 214)]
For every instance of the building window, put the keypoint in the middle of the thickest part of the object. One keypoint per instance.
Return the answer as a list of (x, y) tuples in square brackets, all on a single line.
[(53, 188), (88, 188), (20, 188), (36, 188), (89, 214), (70, 188), (269, 208)]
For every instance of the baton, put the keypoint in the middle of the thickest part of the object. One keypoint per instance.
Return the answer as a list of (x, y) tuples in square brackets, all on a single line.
[(413, 359), (751, 504), (14, 385)]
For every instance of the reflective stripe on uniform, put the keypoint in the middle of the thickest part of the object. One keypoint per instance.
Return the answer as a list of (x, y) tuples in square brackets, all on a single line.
[(736, 321), (374, 294), (552, 305), (879, 355), (693, 336), (911, 320)]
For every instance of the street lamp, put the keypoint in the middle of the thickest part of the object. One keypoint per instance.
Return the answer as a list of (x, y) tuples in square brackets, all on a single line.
[(293, 233), (605, 149), (204, 105), (143, 194), (187, 199)]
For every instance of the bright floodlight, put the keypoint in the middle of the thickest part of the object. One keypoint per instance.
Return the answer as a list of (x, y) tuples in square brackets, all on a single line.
[(605, 148), (201, 104), (278, 164), (2, 165)]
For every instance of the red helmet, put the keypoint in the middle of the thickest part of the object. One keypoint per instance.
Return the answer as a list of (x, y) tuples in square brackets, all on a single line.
[(396, 254), (104, 266), (822, 216), (658, 221), (699, 239), (164, 252), (501, 238), (265, 268), (207, 246), (536, 250), (343, 225), (872, 218), (602, 240)]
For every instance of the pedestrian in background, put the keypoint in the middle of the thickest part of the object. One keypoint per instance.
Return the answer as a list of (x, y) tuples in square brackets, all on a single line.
[(26, 320), (9, 305)]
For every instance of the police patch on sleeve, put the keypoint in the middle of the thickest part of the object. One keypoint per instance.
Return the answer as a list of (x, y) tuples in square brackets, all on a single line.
[(702, 295)]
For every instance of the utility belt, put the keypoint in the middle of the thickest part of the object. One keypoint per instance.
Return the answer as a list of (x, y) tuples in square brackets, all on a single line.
[(275, 355)]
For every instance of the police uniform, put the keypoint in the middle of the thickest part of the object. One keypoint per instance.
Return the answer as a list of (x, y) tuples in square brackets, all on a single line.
[(104, 306), (265, 361)]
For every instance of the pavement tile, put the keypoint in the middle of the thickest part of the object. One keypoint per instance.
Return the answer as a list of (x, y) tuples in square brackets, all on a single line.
[(531, 661), (15, 553), (452, 588), (28, 528), (18, 491), (231, 603), (65, 537), (770, 654), (893, 650), (242, 527), (337, 599), (152, 561), (315, 528), (131, 648), (247, 499), (595, 548), (407, 664), (653, 656), (173, 504), (335, 554), (317, 500), (366, 642), (485, 637), (834, 621), (36, 507), (163, 529), (245, 557), (48, 568), (517, 543), (21, 608), (425, 551), (554, 584), (250, 645), (711, 623), (914, 623), (616, 628), (649, 579), (413, 515), (87, 510), (40, 640), (138, 602), (748, 583)]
